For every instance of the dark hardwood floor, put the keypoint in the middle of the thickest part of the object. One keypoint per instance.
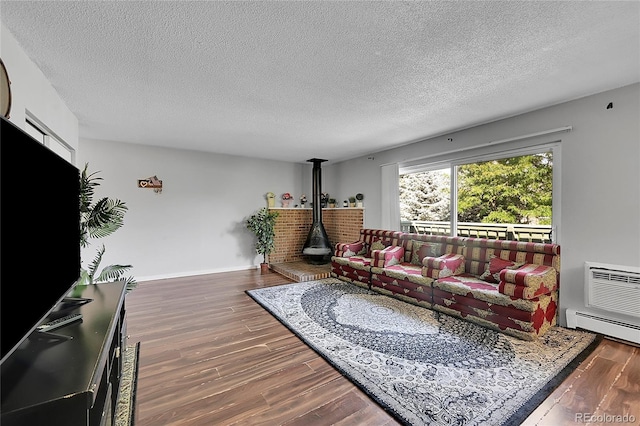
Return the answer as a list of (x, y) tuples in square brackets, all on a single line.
[(210, 355)]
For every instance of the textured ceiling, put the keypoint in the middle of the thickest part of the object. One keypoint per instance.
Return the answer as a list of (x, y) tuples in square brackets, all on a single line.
[(303, 79)]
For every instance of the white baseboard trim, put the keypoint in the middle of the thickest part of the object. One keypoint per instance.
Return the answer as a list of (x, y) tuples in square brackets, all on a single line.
[(195, 273)]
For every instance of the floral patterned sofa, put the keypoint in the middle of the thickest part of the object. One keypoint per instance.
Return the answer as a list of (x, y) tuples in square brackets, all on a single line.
[(509, 286)]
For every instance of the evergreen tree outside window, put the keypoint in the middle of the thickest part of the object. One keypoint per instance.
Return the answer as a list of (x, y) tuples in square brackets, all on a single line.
[(515, 190), (425, 196)]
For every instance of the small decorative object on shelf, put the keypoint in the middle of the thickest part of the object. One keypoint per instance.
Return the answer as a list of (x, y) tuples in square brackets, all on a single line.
[(303, 200), (324, 199), (345, 203), (359, 198), (286, 199), (271, 199), (332, 202), (352, 201)]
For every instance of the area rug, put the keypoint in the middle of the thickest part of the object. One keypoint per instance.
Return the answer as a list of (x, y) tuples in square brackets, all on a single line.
[(425, 367), (125, 409)]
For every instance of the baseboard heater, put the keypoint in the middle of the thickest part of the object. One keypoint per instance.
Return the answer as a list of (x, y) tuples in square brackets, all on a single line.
[(605, 326), (612, 289)]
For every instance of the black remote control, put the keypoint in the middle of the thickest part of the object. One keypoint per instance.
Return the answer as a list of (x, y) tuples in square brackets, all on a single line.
[(57, 323)]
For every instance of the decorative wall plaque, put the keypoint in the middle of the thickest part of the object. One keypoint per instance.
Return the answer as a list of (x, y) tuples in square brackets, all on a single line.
[(151, 182)]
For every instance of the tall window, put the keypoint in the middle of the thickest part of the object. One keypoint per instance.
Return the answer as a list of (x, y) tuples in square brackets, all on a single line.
[(45, 136), (35, 131), (509, 197)]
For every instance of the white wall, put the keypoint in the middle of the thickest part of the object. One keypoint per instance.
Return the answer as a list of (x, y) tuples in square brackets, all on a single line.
[(599, 180), (196, 225), (31, 91)]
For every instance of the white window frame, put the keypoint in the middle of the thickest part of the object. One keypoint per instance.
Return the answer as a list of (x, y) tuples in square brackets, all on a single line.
[(513, 147), (49, 138)]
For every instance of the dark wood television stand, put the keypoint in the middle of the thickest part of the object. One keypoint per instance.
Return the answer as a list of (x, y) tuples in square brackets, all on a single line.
[(72, 381)]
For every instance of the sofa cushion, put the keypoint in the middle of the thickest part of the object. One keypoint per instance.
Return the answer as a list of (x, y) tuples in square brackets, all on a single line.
[(388, 256), (377, 244), (470, 286), (401, 270), (422, 249), (529, 281), (479, 251), (526, 319), (495, 266), (447, 244), (443, 266), (359, 262), (350, 249), (465, 284)]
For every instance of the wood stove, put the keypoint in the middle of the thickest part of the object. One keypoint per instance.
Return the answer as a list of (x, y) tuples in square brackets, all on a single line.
[(317, 247)]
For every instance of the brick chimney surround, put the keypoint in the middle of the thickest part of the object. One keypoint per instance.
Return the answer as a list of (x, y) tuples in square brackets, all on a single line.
[(293, 225)]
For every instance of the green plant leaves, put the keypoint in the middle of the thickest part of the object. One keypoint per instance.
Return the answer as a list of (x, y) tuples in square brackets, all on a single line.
[(99, 220), (262, 224)]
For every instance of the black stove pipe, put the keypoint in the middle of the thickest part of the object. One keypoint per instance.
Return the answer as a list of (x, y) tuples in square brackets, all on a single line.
[(317, 246), (317, 189)]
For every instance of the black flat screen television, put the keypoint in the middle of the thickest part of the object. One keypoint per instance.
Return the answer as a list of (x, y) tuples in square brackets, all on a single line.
[(39, 232)]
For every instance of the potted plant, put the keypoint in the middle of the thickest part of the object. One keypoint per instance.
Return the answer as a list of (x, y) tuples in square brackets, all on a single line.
[(303, 200), (359, 198), (262, 224), (345, 203), (352, 201), (332, 202), (98, 220)]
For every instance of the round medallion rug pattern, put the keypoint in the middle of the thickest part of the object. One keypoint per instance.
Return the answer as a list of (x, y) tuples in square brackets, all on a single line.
[(396, 328), (424, 367)]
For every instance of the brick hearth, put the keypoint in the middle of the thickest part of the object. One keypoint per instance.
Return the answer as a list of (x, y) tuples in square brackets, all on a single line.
[(292, 228), (302, 270)]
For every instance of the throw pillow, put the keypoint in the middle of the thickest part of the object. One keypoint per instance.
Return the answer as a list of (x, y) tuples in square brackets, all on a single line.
[(389, 256), (444, 266), (492, 273), (377, 244), (422, 249), (353, 249)]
